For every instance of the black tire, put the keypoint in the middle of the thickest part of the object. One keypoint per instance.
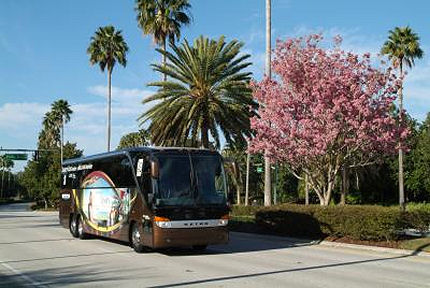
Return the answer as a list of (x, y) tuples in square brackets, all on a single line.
[(136, 238), (200, 247), (80, 229), (73, 226)]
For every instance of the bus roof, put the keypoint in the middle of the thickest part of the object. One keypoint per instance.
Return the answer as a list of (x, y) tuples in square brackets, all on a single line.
[(132, 149)]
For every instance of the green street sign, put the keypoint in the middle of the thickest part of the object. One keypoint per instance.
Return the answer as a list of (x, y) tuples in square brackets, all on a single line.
[(16, 156), (259, 169)]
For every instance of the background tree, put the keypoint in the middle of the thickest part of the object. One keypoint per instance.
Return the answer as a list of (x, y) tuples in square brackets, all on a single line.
[(329, 110), (417, 181), (235, 158), (163, 20), (134, 139), (402, 48), (41, 177), (5, 164), (52, 122), (209, 93), (107, 47)]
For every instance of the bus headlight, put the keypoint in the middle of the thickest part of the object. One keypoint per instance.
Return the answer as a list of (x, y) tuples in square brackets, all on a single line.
[(224, 220), (162, 222)]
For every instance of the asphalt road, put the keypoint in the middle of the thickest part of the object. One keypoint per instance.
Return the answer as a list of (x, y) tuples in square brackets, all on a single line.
[(36, 251)]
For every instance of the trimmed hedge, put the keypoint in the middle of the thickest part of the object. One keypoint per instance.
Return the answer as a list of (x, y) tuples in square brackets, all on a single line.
[(357, 222)]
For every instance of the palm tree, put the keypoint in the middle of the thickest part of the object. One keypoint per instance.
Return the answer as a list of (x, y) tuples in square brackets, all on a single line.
[(134, 139), (53, 121), (268, 72), (107, 47), (163, 20), (209, 93), (402, 48)]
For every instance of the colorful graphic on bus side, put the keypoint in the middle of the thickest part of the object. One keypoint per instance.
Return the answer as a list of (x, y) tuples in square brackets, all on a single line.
[(104, 206)]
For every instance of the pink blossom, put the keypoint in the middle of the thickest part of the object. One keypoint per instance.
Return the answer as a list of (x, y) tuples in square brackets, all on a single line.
[(329, 109)]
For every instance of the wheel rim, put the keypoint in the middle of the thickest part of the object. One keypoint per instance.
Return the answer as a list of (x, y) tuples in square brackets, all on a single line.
[(73, 225), (135, 236), (80, 228)]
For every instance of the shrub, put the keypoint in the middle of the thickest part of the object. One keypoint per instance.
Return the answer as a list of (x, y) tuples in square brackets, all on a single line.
[(357, 222)]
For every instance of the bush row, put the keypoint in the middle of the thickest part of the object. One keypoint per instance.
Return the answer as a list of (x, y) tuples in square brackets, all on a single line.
[(357, 222)]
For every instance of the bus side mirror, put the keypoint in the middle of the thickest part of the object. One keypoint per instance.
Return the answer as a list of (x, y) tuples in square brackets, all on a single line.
[(155, 173)]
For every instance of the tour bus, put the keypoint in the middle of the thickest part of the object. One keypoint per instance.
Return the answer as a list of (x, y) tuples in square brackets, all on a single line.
[(149, 197)]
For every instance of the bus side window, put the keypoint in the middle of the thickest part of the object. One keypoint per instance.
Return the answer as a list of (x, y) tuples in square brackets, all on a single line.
[(145, 178), (118, 169)]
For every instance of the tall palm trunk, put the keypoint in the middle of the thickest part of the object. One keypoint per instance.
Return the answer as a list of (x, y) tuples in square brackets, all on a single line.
[(164, 59), (401, 186), (267, 178), (205, 137), (109, 108)]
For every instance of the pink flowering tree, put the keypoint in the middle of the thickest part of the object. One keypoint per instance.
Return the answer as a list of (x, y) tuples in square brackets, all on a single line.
[(325, 110)]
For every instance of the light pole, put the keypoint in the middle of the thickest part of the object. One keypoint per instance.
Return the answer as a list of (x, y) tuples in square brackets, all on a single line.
[(268, 72)]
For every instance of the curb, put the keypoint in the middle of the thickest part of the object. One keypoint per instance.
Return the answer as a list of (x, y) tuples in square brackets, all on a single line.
[(305, 242), (403, 252)]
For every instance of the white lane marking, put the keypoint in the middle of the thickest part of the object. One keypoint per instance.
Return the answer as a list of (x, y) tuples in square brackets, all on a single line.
[(23, 276)]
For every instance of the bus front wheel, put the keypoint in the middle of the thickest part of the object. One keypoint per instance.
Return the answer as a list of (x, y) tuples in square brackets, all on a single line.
[(81, 233), (136, 239), (73, 226)]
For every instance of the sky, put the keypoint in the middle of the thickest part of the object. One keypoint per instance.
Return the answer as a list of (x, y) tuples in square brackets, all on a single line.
[(43, 55)]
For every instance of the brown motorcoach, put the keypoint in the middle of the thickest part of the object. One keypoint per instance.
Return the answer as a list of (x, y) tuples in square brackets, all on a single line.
[(149, 197)]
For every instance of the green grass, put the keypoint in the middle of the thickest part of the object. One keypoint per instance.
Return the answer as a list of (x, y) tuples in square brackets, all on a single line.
[(420, 244)]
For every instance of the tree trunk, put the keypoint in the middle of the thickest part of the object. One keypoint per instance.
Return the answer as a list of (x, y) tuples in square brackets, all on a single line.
[(109, 108), (267, 178), (267, 182), (205, 137), (306, 190), (62, 140), (401, 185), (248, 162), (2, 177), (46, 203), (239, 184), (164, 59), (345, 186)]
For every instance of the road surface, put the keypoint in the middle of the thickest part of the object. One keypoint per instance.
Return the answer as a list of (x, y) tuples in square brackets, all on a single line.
[(36, 252)]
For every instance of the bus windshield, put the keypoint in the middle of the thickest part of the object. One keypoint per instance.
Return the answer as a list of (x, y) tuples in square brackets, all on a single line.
[(188, 180)]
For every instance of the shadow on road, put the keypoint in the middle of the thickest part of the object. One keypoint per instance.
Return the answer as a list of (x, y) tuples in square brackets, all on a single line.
[(306, 268), (36, 241), (67, 256), (68, 275)]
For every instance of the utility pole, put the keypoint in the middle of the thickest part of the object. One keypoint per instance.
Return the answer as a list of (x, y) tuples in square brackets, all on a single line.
[(268, 72), (248, 163)]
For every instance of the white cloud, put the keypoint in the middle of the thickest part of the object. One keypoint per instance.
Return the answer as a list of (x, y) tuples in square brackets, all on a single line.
[(19, 115), (120, 94), (88, 124), (20, 123)]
